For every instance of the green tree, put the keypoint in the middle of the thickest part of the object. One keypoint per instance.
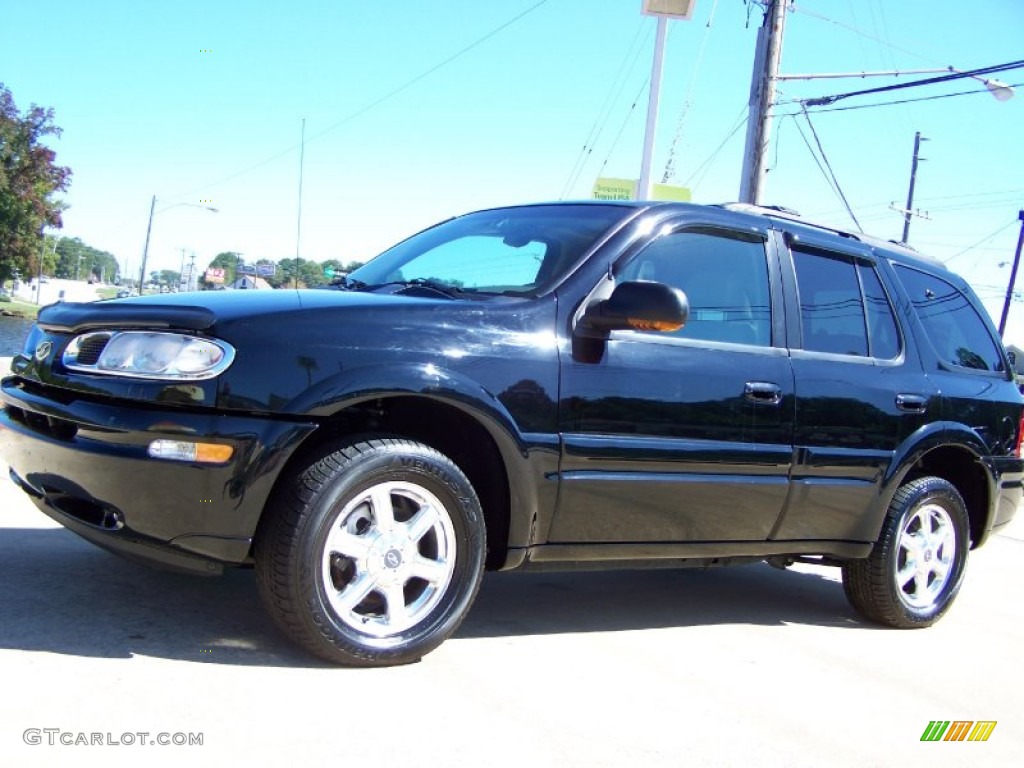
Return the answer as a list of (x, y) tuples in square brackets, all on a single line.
[(29, 179), (226, 260), (170, 278), (76, 260)]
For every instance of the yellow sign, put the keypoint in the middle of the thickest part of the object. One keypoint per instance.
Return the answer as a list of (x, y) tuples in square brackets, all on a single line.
[(615, 189), (670, 192), (625, 189)]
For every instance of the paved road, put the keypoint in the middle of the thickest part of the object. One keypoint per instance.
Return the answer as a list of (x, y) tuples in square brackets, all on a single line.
[(747, 666)]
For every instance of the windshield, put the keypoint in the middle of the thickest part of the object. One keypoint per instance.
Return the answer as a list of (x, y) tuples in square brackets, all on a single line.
[(509, 250)]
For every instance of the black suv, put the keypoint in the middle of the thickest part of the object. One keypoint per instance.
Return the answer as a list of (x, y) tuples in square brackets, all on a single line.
[(547, 386)]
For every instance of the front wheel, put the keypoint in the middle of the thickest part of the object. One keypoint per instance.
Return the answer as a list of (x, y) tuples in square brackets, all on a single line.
[(915, 570), (372, 555)]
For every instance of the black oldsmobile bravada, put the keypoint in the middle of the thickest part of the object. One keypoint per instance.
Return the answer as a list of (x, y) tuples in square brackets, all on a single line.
[(543, 386)]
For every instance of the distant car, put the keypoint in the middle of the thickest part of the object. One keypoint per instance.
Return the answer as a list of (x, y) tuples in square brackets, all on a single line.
[(44, 279), (123, 294)]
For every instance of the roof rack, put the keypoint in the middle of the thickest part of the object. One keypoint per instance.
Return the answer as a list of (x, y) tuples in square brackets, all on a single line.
[(788, 214), (766, 209)]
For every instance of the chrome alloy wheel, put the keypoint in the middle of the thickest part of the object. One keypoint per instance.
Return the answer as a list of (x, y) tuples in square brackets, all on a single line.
[(388, 558), (927, 549)]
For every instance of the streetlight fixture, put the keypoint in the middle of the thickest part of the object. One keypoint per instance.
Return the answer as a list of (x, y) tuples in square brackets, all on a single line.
[(149, 228)]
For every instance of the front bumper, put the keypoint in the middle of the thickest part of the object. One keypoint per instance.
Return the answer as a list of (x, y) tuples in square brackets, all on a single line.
[(85, 464)]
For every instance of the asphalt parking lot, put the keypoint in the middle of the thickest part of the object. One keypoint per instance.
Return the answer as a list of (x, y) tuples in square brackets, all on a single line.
[(741, 666)]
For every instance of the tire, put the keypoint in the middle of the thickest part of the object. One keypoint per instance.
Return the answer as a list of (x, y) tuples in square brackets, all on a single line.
[(373, 554), (915, 570)]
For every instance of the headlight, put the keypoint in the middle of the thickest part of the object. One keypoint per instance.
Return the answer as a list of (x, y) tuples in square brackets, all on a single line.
[(148, 355)]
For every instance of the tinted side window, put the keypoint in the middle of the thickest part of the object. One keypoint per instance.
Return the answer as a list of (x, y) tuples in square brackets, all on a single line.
[(883, 335), (956, 331), (831, 310), (724, 276)]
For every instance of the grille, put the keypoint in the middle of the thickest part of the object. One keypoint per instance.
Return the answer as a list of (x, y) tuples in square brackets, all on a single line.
[(90, 348), (51, 426)]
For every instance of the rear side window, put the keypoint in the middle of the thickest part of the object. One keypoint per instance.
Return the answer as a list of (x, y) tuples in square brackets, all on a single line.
[(954, 327), (882, 333), (843, 307)]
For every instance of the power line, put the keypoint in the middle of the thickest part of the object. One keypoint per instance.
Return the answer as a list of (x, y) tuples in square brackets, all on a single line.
[(622, 128), (981, 242), (905, 101), (373, 104), (741, 121), (670, 170), (823, 100), (800, 9), (605, 112), (824, 157)]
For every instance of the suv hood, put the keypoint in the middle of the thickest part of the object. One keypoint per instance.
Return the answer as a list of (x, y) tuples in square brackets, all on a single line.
[(200, 311)]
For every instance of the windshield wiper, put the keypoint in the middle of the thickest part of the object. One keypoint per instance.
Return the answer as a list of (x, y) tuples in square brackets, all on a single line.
[(347, 283), (451, 291)]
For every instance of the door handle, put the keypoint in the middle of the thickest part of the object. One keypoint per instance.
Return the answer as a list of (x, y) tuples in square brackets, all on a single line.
[(911, 403), (762, 392)]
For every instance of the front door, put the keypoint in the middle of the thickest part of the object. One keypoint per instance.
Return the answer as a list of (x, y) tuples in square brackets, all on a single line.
[(684, 436)]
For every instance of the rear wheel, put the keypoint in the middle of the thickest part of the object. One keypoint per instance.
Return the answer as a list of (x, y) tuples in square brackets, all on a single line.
[(915, 570), (372, 555)]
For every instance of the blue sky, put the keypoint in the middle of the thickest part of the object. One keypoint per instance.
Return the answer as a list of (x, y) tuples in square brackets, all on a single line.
[(204, 101)]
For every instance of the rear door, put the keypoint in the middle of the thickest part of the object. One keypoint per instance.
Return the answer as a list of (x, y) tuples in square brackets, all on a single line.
[(860, 390)]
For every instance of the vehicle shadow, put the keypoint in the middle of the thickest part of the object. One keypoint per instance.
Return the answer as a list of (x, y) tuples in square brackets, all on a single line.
[(63, 595), (609, 601)]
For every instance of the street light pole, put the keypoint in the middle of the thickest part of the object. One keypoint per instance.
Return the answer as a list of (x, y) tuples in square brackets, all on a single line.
[(42, 254), (663, 10), (1013, 275), (145, 248), (644, 190), (149, 228)]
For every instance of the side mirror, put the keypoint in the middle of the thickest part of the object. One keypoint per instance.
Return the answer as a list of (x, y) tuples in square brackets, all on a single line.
[(639, 306)]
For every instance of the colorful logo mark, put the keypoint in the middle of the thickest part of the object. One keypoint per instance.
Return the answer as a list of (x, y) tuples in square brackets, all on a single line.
[(958, 730)]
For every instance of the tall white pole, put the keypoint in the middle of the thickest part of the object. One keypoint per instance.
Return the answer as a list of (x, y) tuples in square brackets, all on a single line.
[(298, 222), (644, 190), (762, 99)]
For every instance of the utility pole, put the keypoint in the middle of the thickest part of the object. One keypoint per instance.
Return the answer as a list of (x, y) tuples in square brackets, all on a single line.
[(1013, 275), (908, 213), (145, 248), (181, 269), (762, 98)]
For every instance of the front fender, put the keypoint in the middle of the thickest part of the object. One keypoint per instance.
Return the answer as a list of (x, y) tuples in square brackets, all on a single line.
[(526, 456), (359, 385)]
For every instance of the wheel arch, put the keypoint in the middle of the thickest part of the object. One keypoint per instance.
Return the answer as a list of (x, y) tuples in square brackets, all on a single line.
[(957, 454), (448, 413)]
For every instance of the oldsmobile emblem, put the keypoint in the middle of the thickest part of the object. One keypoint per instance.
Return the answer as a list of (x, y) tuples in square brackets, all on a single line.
[(43, 350)]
